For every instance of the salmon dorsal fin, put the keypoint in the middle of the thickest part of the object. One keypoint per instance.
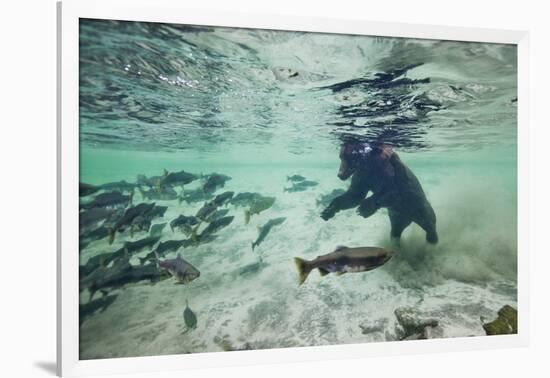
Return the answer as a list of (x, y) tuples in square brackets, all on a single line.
[(340, 248)]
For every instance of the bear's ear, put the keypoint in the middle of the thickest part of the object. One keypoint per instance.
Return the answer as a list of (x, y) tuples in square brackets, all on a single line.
[(381, 156)]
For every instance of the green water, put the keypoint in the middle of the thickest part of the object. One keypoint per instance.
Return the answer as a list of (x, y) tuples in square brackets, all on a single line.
[(259, 106)]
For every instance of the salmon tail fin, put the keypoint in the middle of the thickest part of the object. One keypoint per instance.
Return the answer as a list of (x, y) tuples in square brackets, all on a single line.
[(323, 272), (111, 233), (246, 216), (253, 245), (303, 269)]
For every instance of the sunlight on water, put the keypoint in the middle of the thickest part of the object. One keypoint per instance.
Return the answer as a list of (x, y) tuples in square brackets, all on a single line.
[(259, 106)]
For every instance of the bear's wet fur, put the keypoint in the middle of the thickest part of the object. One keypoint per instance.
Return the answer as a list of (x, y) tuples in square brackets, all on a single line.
[(378, 169)]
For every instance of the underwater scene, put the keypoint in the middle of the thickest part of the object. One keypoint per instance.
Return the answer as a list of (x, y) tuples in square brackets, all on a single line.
[(245, 189)]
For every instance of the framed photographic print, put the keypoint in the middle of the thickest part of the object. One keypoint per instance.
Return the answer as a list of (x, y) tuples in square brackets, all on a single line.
[(240, 189)]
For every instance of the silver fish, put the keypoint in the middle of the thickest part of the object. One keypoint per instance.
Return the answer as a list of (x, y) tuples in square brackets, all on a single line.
[(182, 271)]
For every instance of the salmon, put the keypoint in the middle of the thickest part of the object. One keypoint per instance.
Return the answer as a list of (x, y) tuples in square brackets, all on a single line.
[(344, 260)]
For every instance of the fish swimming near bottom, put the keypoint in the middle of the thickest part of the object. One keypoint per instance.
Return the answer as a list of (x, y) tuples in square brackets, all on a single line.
[(217, 225), (301, 186), (223, 199), (344, 260), (91, 219), (126, 251), (151, 182), (129, 218), (214, 181), (259, 205), (95, 305), (97, 234), (131, 247), (264, 230), (185, 224), (206, 210), (108, 199), (252, 268), (120, 274), (218, 214), (196, 195), (189, 317), (87, 189), (120, 186), (143, 221), (176, 178), (182, 271), (165, 247), (211, 229), (244, 199), (165, 193), (295, 178)]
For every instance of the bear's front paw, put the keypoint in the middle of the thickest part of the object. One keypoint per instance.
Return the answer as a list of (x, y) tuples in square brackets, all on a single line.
[(367, 208), (328, 213)]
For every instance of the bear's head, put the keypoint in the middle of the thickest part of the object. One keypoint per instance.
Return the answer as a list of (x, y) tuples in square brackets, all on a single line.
[(364, 155)]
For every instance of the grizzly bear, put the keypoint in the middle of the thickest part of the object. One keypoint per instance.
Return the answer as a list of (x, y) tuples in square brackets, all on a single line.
[(378, 169)]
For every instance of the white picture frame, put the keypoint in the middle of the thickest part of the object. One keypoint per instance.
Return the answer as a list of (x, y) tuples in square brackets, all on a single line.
[(69, 12)]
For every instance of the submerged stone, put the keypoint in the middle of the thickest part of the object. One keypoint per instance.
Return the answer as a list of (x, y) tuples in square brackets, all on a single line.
[(505, 324), (412, 325)]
